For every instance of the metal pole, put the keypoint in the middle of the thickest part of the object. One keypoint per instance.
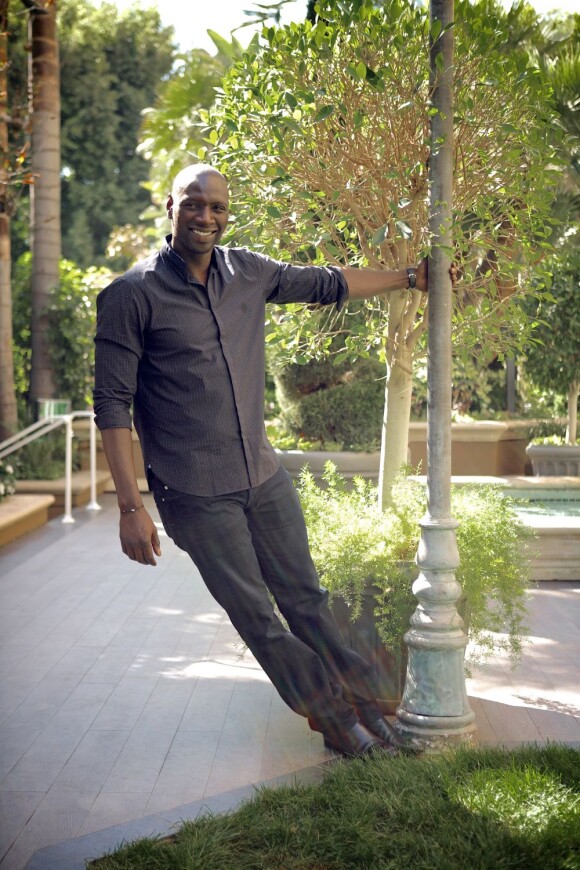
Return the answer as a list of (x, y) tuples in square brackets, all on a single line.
[(435, 710), (93, 504), (68, 517), (510, 370)]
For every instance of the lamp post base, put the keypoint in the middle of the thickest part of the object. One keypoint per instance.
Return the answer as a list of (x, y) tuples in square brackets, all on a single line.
[(436, 733)]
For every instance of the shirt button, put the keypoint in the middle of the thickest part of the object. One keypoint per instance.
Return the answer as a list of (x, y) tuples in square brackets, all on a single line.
[(165, 487)]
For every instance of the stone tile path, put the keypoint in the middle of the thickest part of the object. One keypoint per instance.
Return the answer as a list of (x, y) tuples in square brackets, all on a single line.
[(125, 695)]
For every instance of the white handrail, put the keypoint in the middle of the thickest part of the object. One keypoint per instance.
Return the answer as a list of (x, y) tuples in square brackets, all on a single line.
[(41, 427), (31, 433)]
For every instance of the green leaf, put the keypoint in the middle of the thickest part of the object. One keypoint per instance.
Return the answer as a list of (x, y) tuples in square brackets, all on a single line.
[(353, 72), (380, 235), (323, 113), (361, 69), (436, 28), (229, 50), (405, 229)]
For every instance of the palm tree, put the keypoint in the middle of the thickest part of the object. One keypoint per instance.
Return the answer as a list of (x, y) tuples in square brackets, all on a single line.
[(8, 415), (45, 192)]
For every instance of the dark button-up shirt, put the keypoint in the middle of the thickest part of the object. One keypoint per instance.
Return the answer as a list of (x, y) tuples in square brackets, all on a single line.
[(191, 360)]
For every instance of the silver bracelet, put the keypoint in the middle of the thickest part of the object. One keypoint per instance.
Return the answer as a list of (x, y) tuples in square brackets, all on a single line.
[(132, 510)]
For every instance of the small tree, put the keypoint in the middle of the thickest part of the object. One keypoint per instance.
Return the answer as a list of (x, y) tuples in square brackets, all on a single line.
[(553, 361), (324, 135)]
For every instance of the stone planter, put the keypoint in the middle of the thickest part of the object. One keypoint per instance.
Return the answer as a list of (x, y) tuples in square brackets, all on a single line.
[(362, 636), (554, 460), (349, 463), (480, 448)]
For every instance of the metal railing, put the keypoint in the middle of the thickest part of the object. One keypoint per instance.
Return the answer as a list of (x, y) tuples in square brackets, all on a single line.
[(42, 427)]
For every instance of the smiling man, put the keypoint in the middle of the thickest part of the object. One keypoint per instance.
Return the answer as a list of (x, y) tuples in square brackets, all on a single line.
[(198, 208), (181, 337)]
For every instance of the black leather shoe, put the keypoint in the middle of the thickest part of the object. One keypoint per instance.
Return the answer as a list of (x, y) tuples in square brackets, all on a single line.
[(354, 743), (385, 732)]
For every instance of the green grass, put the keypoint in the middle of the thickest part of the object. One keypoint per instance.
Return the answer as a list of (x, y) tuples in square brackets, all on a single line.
[(463, 810)]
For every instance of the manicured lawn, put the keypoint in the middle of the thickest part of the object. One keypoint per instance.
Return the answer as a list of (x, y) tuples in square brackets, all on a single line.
[(463, 810)]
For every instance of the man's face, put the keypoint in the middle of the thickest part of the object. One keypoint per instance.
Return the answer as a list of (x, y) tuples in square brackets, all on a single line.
[(199, 215)]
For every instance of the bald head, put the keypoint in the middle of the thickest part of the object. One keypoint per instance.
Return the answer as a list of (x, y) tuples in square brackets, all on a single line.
[(191, 175), (198, 208)]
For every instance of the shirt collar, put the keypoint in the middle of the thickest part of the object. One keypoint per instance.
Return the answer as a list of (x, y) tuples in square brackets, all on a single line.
[(220, 260)]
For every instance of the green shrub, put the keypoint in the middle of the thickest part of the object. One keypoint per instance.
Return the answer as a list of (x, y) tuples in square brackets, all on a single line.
[(44, 459), (478, 388), (547, 432), (324, 403), (6, 478), (72, 317), (352, 541)]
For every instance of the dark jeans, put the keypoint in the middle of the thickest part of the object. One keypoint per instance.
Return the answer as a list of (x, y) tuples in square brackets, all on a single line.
[(251, 542)]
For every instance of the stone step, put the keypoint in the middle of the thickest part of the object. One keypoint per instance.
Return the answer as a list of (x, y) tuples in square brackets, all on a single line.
[(81, 489), (21, 514)]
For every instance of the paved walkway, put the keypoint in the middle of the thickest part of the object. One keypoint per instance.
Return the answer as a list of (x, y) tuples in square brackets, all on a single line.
[(124, 692)]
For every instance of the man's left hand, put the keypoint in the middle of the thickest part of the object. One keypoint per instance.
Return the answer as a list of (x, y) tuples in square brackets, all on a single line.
[(422, 275)]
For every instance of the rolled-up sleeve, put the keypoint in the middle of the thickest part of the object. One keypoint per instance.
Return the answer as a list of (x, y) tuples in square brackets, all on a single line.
[(286, 282), (118, 350)]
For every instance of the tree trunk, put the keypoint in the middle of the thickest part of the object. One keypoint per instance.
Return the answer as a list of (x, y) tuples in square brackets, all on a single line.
[(395, 431), (8, 416), (45, 192), (572, 427)]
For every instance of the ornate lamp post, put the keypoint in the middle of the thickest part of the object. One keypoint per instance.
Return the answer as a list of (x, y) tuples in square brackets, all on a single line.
[(435, 710)]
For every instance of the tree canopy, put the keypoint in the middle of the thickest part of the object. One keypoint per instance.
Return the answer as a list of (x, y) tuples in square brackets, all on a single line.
[(325, 136), (328, 128), (112, 64)]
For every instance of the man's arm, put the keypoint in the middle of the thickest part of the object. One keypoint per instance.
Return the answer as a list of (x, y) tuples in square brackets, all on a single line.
[(364, 283), (139, 538)]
